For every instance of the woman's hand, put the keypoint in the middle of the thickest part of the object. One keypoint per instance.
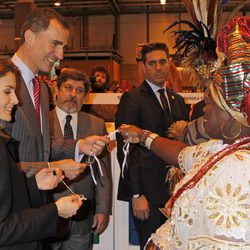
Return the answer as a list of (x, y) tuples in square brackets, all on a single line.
[(131, 133), (68, 206), (46, 180)]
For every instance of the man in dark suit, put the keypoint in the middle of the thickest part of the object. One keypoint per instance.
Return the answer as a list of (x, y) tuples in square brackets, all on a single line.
[(72, 87), (144, 184), (44, 36)]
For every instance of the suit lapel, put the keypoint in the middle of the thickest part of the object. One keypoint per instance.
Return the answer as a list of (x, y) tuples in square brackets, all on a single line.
[(82, 127), (156, 106), (44, 103), (175, 106), (27, 108), (55, 125), (152, 98)]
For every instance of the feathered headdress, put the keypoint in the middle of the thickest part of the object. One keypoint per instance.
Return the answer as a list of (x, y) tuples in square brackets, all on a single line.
[(199, 49), (197, 44)]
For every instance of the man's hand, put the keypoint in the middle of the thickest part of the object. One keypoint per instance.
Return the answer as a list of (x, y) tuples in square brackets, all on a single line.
[(46, 180), (93, 144), (100, 223), (68, 206), (71, 168), (140, 207)]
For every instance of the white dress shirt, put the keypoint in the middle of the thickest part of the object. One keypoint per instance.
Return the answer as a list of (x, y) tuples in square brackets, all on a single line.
[(155, 89), (62, 120)]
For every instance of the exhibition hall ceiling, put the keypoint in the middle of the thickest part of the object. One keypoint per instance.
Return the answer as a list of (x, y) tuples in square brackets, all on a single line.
[(116, 7)]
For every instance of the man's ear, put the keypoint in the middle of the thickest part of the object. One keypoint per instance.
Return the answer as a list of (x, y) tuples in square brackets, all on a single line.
[(29, 36), (86, 97), (143, 67), (56, 90)]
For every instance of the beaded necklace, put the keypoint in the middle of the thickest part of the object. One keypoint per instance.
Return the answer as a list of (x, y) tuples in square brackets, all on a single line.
[(242, 143)]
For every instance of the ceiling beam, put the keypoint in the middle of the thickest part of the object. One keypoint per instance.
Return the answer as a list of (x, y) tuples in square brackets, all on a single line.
[(115, 6)]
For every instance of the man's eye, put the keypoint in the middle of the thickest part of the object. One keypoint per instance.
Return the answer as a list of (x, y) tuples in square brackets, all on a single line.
[(69, 88), (54, 44), (162, 62), (65, 48), (80, 91), (151, 63)]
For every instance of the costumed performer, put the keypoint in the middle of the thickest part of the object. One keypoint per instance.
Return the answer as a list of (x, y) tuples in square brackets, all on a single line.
[(210, 207)]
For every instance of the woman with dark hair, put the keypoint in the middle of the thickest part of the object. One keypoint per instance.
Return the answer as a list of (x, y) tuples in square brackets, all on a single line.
[(210, 206), (21, 226)]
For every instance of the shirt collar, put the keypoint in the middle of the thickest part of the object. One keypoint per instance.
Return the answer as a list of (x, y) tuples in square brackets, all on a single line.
[(62, 115), (154, 87), (26, 73)]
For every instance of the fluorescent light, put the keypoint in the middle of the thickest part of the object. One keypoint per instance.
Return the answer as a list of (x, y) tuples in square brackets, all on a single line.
[(57, 3), (163, 2)]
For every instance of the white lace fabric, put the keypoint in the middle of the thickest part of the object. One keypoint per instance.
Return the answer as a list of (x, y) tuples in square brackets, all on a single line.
[(217, 207)]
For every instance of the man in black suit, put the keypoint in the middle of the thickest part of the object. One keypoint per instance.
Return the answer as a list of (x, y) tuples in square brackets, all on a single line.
[(144, 183)]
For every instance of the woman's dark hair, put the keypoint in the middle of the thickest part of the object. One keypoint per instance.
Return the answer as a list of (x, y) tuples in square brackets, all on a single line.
[(39, 20), (6, 65)]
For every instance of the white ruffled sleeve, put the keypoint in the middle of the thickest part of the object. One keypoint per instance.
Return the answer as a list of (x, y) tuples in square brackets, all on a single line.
[(194, 154)]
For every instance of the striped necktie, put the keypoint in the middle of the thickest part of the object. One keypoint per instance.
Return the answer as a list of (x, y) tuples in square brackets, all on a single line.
[(36, 89)]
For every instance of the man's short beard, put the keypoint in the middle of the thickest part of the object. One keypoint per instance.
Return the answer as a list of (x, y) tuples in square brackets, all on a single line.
[(98, 88)]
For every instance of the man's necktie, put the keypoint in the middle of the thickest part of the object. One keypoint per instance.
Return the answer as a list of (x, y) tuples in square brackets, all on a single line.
[(165, 105), (36, 88), (68, 131)]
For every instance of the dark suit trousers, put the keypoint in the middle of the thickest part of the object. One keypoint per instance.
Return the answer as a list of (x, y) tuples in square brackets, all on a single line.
[(145, 228)]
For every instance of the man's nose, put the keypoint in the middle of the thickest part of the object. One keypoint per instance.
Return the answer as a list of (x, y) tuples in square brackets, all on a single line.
[(59, 52), (158, 66), (73, 92)]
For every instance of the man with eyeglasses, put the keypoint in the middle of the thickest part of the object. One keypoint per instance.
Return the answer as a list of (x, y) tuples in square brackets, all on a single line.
[(153, 107), (67, 121)]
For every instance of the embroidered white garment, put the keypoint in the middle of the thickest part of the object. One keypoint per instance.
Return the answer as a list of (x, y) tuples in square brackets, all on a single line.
[(215, 213)]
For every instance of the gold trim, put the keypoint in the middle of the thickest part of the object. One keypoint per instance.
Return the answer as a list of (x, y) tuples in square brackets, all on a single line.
[(218, 242)]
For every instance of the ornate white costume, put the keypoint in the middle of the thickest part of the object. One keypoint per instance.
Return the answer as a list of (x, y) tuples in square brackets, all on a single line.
[(215, 213)]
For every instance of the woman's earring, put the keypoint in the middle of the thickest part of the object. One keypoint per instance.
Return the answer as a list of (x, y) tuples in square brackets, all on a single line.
[(231, 137)]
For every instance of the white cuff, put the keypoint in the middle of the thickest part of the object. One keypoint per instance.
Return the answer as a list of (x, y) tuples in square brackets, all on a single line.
[(150, 139), (78, 156)]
